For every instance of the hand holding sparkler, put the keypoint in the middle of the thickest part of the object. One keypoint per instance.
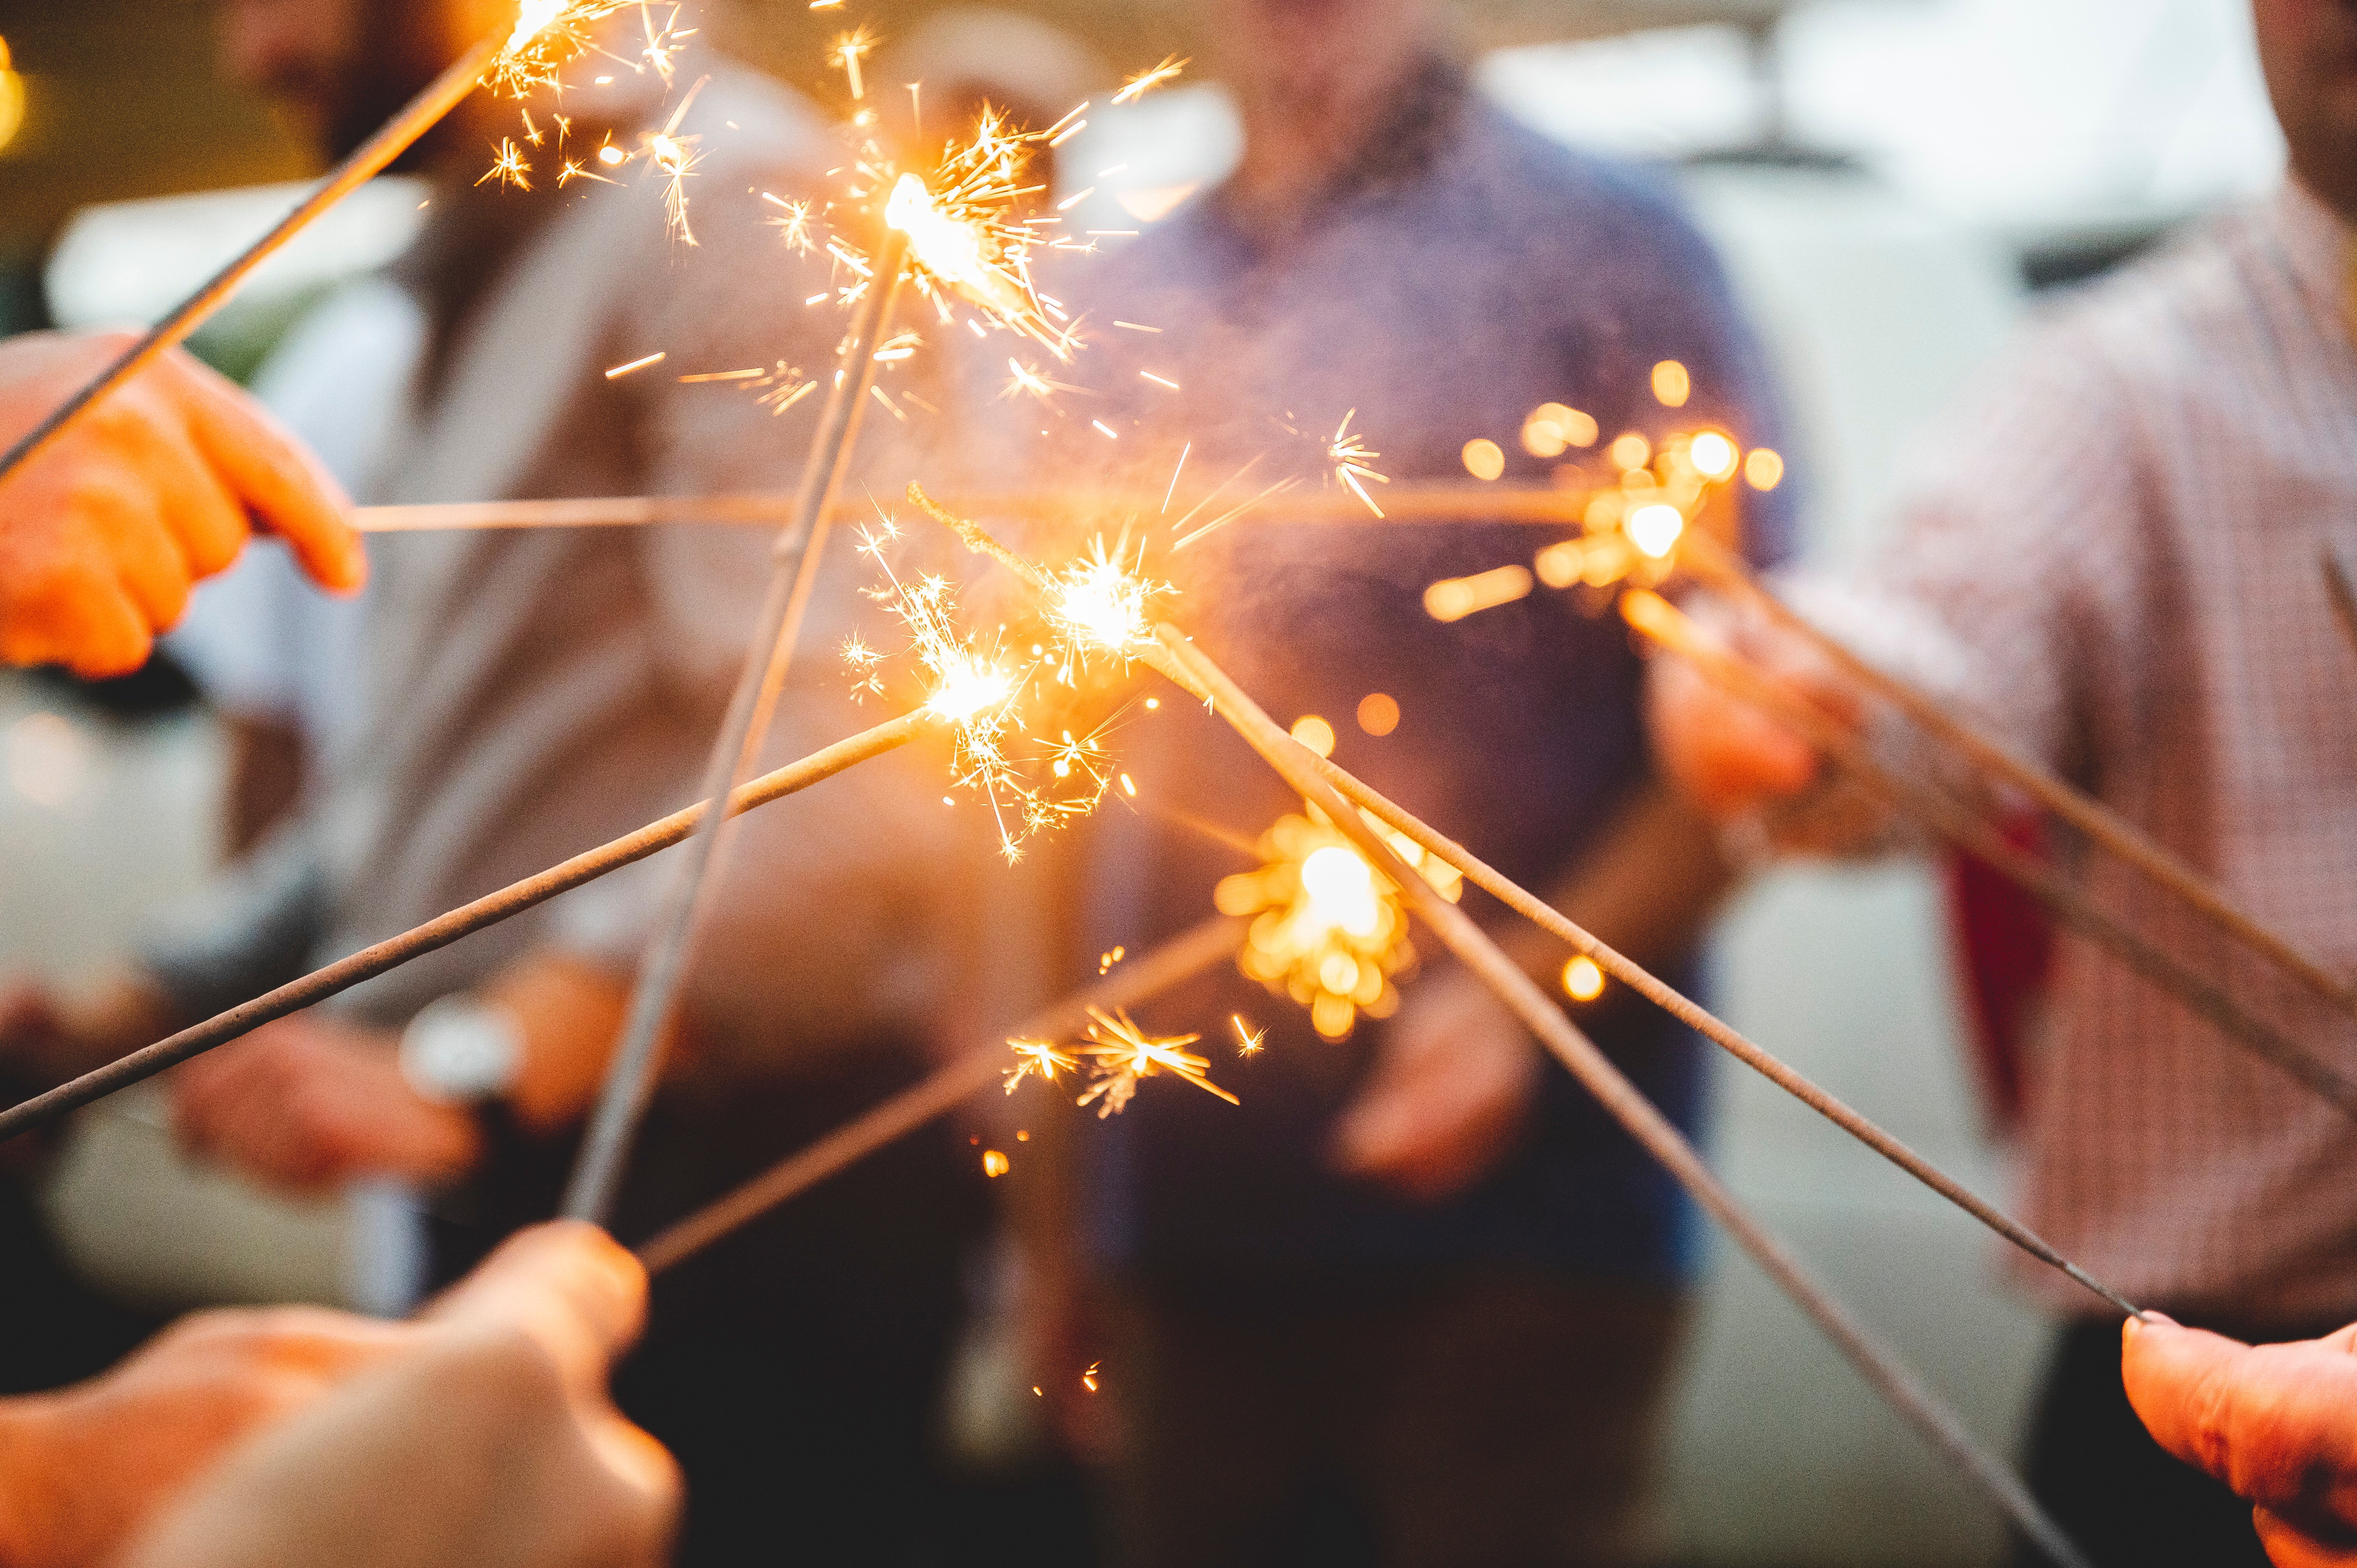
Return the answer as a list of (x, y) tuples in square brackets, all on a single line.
[(1451, 1089), (162, 485), (2277, 1423), (1731, 759), (482, 1434)]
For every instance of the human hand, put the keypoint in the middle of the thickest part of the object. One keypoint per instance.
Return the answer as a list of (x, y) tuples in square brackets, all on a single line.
[(103, 532), (46, 1037), (489, 1439), (1724, 754), (87, 1466), (306, 1103), (2277, 1423), (1448, 1094)]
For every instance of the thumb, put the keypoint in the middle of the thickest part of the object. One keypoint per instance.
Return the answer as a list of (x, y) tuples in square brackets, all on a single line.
[(2179, 1381), (2273, 1422), (568, 1285)]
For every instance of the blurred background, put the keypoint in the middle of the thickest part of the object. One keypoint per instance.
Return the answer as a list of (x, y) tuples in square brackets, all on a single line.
[(1891, 182)]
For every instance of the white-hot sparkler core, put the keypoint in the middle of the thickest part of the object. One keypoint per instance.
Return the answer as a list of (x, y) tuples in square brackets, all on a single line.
[(1655, 529)]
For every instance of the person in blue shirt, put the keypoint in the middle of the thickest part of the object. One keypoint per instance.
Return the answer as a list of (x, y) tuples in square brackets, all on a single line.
[(1414, 1299)]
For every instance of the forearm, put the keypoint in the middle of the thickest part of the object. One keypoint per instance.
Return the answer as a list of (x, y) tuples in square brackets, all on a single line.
[(1648, 886)]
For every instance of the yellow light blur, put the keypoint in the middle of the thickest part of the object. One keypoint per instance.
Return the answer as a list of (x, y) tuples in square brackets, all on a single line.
[(1672, 385), (1484, 458), (1630, 451), (1552, 426), (1559, 564), (1379, 712), (1654, 528), (1582, 980), (1454, 598), (1315, 733), (11, 99), (1713, 455), (1764, 468), (994, 1164)]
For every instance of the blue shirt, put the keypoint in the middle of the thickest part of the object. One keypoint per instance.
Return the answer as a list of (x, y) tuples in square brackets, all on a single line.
[(1468, 272)]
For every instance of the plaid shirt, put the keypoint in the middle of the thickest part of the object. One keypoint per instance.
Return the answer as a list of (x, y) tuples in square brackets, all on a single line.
[(2119, 534)]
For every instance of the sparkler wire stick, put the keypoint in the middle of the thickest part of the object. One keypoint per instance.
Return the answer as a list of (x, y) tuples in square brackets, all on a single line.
[(1437, 504), (444, 929), (1714, 564), (1180, 959), (1657, 618), (1907, 1393), (629, 1076), (419, 115), (1629, 973), (1704, 1022)]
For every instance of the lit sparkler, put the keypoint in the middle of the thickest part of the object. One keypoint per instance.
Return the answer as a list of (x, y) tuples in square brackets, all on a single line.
[(541, 38), (1330, 931), (1043, 1059), (1121, 1055), (1349, 455), (1146, 82), (1033, 783)]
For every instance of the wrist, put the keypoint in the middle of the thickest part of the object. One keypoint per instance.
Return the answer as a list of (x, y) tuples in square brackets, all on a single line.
[(463, 1052)]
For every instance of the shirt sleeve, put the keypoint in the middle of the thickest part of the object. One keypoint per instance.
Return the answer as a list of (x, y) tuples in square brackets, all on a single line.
[(2016, 581)]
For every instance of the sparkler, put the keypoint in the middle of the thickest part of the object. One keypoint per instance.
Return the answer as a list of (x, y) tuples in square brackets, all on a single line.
[(544, 32), (444, 929), (1538, 508), (1144, 977), (1330, 931), (1179, 661), (1658, 619), (1121, 1055), (629, 1076), (1713, 564), (1875, 1359), (956, 237), (980, 691)]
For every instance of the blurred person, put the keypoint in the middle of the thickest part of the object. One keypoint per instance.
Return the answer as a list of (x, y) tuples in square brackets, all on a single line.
[(2111, 557), (1416, 1299), (531, 693), (296, 1438)]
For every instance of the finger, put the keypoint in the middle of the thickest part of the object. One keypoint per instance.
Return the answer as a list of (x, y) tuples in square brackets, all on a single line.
[(647, 1490), (270, 471), (145, 557), (80, 618), (2176, 1381), (568, 1285), (2271, 1421), (208, 521)]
